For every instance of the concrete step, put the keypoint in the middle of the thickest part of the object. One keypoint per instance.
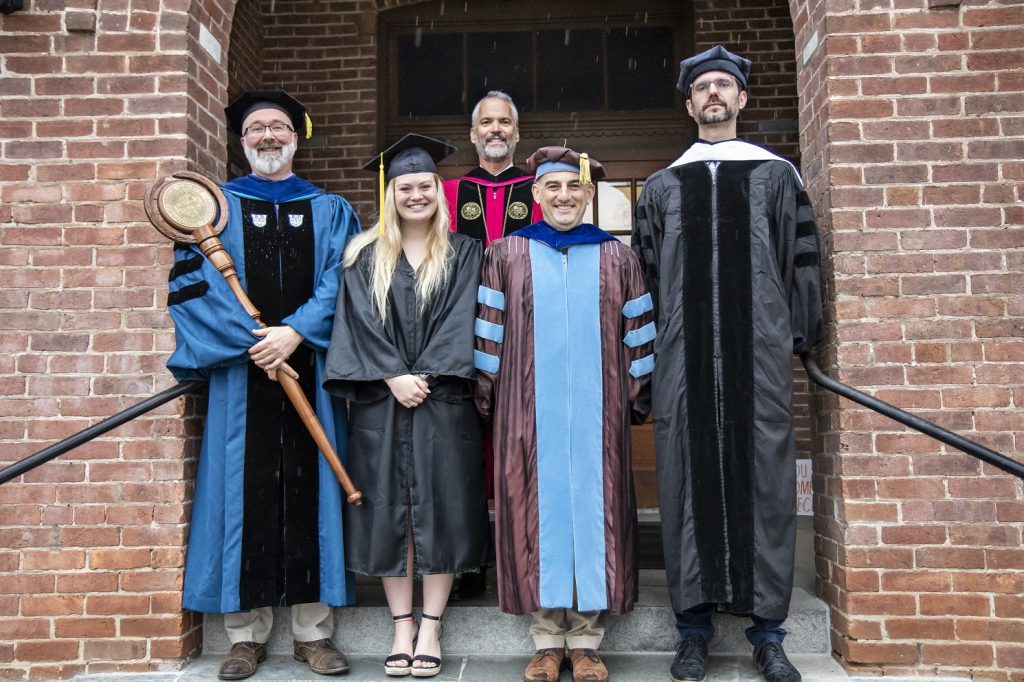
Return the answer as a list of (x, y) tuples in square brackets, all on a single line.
[(621, 667), (477, 627)]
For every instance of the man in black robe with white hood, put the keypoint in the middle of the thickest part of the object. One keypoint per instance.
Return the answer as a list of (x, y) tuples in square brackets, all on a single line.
[(730, 250)]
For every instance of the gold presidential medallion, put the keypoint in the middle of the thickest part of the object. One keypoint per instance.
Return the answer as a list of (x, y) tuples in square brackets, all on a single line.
[(471, 211), (188, 204), (181, 205), (517, 210)]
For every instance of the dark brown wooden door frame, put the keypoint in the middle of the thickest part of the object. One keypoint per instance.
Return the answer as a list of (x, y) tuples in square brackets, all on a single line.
[(645, 140), (631, 145)]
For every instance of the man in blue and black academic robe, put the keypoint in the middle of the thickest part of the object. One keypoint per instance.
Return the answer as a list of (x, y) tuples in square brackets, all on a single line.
[(266, 522)]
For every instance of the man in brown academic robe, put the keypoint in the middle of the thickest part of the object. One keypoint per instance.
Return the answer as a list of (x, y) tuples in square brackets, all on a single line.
[(564, 349)]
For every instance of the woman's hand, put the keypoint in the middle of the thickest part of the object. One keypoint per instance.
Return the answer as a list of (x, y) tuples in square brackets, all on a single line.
[(409, 390)]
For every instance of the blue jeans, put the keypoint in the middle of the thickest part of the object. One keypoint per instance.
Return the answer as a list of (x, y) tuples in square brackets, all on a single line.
[(696, 622)]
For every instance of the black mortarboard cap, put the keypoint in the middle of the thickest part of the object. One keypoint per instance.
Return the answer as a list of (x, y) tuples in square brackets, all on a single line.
[(411, 154), (251, 101), (716, 59)]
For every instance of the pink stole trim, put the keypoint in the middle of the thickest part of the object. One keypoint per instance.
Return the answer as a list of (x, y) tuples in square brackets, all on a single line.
[(494, 203)]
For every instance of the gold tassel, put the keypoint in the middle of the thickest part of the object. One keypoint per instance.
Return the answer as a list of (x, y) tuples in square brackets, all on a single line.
[(380, 219), (585, 169), (309, 126)]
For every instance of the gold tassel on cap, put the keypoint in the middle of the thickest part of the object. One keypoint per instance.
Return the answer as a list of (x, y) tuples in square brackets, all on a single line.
[(309, 126), (585, 169), (380, 221)]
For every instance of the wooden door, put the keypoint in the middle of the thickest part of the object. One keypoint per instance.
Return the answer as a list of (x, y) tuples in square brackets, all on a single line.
[(597, 76)]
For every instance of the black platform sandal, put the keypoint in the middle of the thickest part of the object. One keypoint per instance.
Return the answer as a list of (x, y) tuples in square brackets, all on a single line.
[(390, 666), (433, 666)]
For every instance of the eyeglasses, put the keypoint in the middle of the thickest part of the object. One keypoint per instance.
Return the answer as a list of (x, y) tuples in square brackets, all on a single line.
[(721, 84), (278, 129)]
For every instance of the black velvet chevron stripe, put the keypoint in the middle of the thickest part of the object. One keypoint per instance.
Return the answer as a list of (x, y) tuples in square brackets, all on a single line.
[(185, 266), (802, 199), (806, 228), (187, 293), (806, 260)]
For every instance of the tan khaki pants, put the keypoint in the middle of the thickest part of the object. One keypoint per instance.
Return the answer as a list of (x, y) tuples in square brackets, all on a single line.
[(310, 622), (557, 628)]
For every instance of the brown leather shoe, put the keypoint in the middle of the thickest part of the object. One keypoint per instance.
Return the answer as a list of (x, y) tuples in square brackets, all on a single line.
[(545, 666), (322, 656), (241, 662), (587, 666)]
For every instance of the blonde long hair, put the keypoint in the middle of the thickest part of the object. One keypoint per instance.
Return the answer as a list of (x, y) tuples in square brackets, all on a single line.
[(387, 244)]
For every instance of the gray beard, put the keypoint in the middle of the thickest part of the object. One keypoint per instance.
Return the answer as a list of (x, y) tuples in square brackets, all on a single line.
[(268, 165), (492, 153)]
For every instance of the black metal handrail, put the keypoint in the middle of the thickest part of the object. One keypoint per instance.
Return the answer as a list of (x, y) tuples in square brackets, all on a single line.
[(57, 449), (926, 427)]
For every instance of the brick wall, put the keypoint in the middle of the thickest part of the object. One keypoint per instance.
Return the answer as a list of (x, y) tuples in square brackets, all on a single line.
[(245, 68), (97, 98), (327, 59), (911, 125)]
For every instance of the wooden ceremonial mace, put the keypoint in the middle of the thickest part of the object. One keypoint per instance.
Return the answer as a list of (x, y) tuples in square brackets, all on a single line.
[(189, 208)]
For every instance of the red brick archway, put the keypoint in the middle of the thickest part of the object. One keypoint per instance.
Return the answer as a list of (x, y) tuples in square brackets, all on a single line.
[(910, 125)]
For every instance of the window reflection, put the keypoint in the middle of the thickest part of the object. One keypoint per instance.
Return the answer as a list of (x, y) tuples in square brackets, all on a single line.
[(615, 206)]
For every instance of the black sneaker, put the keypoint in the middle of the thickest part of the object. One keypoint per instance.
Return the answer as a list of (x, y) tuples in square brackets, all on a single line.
[(691, 656), (770, 660)]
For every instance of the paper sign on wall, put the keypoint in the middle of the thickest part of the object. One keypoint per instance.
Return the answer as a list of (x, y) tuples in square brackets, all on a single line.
[(804, 488)]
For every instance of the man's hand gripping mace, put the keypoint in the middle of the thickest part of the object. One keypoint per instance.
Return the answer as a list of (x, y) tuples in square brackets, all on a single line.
[(189, 208)]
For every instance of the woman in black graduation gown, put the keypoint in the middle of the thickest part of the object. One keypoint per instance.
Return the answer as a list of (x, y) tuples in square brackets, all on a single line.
[(402, 354)]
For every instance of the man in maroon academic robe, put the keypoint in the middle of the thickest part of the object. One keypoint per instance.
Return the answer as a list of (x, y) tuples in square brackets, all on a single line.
[(565, 338)]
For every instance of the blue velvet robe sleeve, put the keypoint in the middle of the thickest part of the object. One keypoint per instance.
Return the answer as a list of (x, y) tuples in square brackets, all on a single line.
[(211, 329)]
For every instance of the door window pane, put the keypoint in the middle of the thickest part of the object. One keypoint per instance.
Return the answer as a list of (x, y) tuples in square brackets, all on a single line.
[(641, 68), (430, 74), (569, 70), (615, 206), (501, 61), (549, 69)]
